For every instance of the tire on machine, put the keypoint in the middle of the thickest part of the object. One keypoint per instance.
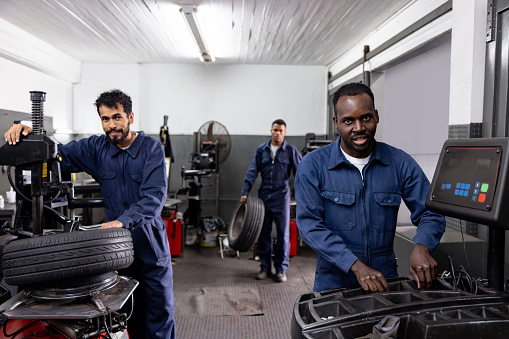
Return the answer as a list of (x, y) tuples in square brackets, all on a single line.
[(4, 241), (66, 255), (246, 224)]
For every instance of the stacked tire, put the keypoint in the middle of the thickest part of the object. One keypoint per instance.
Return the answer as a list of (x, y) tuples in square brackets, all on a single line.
[(246, 224), (66, 255)]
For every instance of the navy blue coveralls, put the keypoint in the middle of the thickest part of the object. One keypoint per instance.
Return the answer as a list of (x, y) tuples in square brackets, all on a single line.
[(133, 185), (275, 193), (344, 218)]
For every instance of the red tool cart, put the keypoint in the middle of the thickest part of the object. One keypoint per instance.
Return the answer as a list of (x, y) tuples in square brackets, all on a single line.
[(174, 226), (175, 232), (294, 238)]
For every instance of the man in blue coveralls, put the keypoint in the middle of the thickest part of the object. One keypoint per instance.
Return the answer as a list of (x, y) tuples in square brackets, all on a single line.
[(348, 195), (130, 168), (275, 160)]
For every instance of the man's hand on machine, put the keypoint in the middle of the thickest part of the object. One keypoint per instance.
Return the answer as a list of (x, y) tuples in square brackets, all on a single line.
[(368, 278), (423, 267), (12, 135), (112, 224)]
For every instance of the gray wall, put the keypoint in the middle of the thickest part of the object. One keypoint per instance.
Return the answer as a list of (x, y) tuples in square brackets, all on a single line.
[(231, 173), (416, 103), (411, 121)]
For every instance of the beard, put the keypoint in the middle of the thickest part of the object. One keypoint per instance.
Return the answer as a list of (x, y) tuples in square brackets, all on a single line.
[(117, 140)]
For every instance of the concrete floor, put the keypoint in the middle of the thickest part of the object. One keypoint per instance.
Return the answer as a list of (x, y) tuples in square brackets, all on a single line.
[(202, 267)]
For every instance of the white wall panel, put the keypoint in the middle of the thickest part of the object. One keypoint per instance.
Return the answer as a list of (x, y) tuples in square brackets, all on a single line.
[(17, 81), (468, 61), (244, 98), (98, 78)]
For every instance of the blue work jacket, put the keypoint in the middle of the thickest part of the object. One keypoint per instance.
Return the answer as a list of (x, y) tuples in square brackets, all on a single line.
[(133, 181), (275, 173), (345, 218)]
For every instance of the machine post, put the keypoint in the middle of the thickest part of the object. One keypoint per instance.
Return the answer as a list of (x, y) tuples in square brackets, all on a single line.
[(37, 207), (496, 249)]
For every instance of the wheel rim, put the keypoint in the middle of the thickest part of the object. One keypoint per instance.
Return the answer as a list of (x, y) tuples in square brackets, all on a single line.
[(74, 288), (237, 222)]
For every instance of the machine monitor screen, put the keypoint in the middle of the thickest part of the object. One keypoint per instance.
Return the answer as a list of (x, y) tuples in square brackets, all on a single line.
[(468, 176), (470, 180)]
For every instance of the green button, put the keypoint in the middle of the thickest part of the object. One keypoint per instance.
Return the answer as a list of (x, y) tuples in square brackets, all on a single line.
[(484, 188)]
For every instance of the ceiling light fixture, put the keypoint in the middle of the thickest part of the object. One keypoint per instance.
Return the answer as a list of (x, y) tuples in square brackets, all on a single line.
[(189, 14)]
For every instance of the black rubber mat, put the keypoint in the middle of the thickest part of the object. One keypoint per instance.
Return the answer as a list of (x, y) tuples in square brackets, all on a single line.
[(202, 267)]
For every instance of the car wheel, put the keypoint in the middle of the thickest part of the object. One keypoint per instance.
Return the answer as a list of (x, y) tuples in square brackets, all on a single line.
[(246, 224)]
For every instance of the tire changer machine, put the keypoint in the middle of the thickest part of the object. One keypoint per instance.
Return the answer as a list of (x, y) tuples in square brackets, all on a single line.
[(84, 310), (471, 183), (204, 162)]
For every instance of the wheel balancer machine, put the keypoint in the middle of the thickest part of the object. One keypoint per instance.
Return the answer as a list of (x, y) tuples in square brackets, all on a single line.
[(471, 183)]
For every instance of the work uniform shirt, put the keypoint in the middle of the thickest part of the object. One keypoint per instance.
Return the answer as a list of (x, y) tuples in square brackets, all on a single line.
[(275, 172), (133, 181), (344, 218)]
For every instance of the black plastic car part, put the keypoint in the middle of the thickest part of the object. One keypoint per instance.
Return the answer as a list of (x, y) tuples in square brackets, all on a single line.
[(440, 312)]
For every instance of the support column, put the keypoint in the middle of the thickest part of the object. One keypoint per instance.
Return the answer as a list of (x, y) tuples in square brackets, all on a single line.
[(468, 50)]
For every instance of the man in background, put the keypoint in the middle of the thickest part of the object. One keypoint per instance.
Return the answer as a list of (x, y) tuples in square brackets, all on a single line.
[(275, 160)]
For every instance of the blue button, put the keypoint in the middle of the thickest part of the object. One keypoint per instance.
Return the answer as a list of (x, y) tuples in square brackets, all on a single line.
[(461, 192), (458, 185), (456, 192), (467, 186), (474, 198), (477, 185), (465, 194), (448, 186), (442, 187), (462, 186), (476, 191)]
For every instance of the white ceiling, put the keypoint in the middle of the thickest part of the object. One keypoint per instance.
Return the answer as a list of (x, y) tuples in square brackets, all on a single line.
[(291, 32)]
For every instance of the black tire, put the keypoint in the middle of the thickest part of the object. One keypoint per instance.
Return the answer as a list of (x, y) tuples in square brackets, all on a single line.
[(4, 241), (66, 255), (246, 224)]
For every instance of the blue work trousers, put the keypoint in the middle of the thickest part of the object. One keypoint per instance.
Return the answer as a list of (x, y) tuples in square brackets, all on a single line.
[(277, 211), (153, 298)]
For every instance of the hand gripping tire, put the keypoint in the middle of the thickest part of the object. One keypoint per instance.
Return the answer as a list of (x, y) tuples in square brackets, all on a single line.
[(66, 255), (246, 224)]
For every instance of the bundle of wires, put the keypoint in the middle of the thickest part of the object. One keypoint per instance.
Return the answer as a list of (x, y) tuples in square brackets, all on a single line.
[(462, 280)]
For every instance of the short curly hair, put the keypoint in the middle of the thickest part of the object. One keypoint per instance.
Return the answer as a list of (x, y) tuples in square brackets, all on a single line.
[(279, 122), (113, 98), (352, 89)]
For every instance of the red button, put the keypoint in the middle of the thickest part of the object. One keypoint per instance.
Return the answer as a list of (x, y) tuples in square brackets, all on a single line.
[(482, 197)]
